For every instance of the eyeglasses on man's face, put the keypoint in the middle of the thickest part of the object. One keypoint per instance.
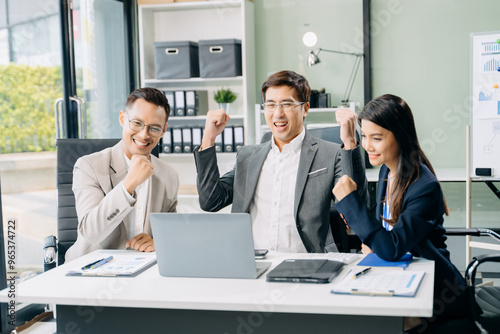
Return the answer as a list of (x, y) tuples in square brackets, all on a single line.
[(137, 126), (285, 106)]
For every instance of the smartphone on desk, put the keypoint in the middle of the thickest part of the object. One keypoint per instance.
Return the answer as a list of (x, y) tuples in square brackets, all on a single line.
[(260, 253)]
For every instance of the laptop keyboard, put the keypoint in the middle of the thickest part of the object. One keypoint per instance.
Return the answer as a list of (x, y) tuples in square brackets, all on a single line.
[(346, 258), (261, 267)]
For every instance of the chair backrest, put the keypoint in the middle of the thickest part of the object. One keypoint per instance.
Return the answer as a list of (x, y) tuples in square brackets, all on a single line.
[(331, 134), (68, 151)]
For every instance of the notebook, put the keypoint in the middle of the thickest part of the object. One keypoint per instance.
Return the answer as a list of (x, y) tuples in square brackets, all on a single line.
[(381, 283), (125, 263), (210, 245), (373, 260), (305, 270)]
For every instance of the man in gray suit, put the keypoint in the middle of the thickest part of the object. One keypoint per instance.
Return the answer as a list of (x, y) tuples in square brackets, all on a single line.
[(285, 184), (117, 188)]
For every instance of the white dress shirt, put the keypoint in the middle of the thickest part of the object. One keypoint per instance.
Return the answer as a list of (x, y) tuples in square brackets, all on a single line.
[(271, 211), (137, 216)]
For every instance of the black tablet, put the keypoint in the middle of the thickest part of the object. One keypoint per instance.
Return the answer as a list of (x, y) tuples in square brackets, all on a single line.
[(305, 270)]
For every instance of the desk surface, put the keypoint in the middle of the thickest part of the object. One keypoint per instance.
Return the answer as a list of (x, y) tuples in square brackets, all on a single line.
[(443, 174), (150, 290)]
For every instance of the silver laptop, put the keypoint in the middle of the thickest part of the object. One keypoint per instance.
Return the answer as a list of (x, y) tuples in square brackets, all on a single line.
[(205, 245)]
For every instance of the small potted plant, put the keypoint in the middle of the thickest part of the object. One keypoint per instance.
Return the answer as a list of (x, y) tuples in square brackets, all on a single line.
[(224, 97)]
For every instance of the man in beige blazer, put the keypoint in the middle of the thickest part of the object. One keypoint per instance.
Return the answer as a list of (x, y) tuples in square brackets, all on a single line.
[(117, 188)]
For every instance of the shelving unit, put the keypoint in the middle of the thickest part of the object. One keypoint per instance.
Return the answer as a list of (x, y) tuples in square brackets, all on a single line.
[(182, 21)]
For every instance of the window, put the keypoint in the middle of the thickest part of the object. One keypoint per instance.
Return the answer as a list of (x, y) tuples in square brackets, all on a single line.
[(30, 82)]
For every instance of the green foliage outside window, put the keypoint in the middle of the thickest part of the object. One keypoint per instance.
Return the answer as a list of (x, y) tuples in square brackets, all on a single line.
[(27, 96)]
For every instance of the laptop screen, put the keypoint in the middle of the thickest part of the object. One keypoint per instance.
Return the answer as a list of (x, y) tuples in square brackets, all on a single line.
[(204, 245)]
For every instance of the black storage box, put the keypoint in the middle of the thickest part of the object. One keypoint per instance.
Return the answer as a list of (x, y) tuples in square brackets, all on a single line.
[(220, 58), (176, 60)]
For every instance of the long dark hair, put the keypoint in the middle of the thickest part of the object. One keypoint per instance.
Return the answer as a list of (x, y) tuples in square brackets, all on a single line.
[(394, 114)]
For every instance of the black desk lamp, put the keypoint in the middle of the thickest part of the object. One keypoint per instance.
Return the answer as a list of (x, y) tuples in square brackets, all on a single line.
[(313, 59)]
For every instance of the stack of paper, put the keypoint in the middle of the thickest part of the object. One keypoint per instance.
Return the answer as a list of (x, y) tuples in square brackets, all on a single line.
[(382, 282), (124, 263)]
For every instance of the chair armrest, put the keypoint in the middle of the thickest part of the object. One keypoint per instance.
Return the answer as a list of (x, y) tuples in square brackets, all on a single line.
[(470, 273), (463, 231), (476, 232), (49, 252)]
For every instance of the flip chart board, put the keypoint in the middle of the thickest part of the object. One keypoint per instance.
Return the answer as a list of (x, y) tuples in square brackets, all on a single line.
[(485, 106)]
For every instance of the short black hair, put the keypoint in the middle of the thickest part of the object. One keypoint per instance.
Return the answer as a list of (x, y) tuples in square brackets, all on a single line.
[(151, 95), (290, 79)]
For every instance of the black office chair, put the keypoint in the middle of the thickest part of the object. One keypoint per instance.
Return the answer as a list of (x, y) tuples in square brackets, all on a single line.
[(487, 318), (344, 241), (68, 151), (483, 302)]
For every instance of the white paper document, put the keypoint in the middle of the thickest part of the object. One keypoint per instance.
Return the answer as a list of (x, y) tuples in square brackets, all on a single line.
[(124, 263), (381, 282)]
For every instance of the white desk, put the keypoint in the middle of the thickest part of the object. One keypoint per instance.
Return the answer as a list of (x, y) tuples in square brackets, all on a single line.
[(150, 302), (443, 174)]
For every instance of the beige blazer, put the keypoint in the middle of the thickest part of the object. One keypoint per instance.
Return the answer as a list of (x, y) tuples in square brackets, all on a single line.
[(102, 205)]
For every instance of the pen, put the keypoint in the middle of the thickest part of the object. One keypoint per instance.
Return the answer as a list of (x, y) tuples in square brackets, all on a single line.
[(101, 262), (362, 272), (88, 266), (372, 293)]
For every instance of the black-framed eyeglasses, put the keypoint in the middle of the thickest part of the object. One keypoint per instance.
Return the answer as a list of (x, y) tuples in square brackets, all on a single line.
[(285, 106), (137, 126)]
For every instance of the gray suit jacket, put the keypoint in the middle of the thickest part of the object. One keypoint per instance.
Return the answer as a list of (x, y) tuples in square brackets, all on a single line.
[(102, 206), (321, 164)]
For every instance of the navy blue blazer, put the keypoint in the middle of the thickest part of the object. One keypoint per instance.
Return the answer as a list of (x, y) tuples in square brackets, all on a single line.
[(419, 230)]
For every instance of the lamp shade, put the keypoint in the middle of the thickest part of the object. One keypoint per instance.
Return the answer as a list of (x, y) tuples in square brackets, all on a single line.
[(312, 59)]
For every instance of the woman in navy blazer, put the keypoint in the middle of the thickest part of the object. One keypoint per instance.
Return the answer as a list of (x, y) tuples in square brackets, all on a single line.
[(409, 215)]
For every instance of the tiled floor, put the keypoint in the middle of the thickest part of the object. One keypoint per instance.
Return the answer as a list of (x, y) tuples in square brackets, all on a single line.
[(42, 327)]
